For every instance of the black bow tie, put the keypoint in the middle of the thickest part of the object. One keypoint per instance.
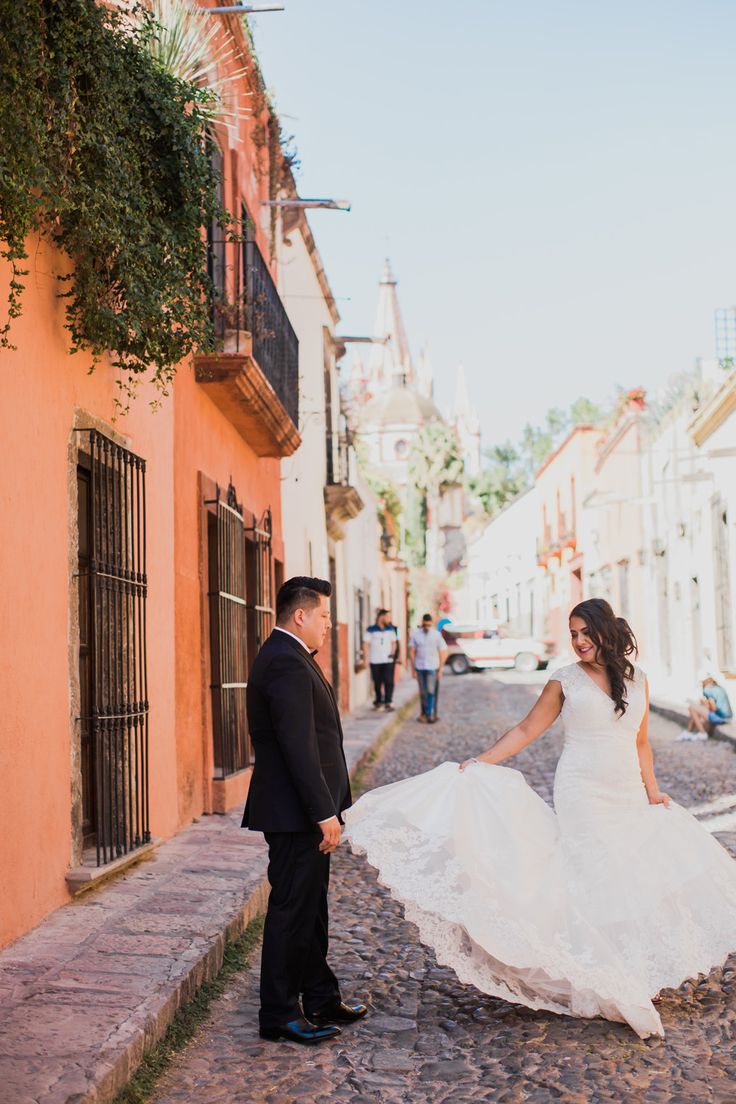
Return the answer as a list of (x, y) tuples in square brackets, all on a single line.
[(313, 654)]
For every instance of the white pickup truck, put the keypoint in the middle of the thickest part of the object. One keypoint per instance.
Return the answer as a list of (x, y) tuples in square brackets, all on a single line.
[(475, 647)]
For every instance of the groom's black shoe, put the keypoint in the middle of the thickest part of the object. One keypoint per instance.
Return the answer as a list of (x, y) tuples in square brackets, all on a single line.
[(301, 1031), (339, 1012)]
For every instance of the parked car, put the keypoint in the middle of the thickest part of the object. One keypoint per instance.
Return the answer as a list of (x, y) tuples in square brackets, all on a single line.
[(476, 647)]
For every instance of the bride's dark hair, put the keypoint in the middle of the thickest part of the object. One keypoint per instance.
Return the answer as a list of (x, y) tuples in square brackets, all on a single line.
[(614, 642)]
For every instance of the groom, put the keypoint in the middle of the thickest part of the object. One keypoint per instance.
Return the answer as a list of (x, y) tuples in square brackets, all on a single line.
[(299, 789)]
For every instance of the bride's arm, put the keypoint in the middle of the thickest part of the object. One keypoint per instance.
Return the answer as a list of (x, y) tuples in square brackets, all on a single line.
[(545, 712), (646, 761)]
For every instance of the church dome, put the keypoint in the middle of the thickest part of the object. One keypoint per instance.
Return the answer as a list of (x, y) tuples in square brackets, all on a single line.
[(399, 406)]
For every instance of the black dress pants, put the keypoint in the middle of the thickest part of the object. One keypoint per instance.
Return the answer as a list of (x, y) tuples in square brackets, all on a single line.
[(295, 939), (383, 682)]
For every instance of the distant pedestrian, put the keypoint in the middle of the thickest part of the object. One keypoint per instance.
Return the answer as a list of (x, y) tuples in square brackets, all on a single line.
[(714, 708), (427, 655), (381, 649)]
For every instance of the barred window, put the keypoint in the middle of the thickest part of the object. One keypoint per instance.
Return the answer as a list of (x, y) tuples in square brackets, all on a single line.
[(241, 617), (112, 593)]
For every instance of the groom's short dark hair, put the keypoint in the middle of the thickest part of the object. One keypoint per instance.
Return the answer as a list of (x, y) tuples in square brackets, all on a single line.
[(301, 592)]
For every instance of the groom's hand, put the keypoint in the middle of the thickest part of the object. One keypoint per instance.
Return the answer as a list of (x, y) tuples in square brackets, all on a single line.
[(331, 830)]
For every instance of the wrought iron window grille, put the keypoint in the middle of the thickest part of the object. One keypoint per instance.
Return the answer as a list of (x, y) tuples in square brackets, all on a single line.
[(113, 588), (241, 616), (260, 592)]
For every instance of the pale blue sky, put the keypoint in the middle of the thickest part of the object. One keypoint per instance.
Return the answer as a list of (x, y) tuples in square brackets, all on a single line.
[(555, 182)]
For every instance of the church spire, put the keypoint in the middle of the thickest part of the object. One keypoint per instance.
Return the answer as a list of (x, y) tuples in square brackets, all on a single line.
[(390, 362)]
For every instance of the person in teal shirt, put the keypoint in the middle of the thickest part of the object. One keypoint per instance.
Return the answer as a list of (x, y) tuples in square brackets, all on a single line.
[(714, 708)]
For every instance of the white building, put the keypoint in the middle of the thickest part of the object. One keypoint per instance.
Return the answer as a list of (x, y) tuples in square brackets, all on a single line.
[(388, 398), (690, 472), (502, 579), (320, 499)]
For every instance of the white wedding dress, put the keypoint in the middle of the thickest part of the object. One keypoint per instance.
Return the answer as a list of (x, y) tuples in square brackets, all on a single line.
[(587, 910)]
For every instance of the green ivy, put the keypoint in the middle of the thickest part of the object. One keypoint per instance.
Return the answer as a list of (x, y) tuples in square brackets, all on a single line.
[(102, 151)]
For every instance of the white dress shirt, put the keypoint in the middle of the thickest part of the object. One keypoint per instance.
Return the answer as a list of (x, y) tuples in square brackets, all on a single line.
[(293, 637)]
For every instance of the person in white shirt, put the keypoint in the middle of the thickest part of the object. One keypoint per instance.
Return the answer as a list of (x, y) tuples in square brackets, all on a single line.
[(427, 655), (381, 650)]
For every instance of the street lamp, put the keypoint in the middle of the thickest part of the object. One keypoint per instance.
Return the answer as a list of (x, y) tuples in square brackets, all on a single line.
[(345, 338), (301, 204), (244, 9)]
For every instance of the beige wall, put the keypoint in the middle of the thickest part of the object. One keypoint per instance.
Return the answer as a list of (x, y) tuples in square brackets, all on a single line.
[(563, 484), (612, 524)]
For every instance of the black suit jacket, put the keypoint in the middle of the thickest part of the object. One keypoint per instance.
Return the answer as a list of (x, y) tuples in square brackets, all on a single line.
[(300, 775)]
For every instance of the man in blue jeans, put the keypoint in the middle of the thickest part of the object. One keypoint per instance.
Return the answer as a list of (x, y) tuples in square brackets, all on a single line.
[(427, 655)]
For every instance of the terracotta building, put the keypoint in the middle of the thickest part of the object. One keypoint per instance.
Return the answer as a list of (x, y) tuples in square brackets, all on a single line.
[(143, 555)]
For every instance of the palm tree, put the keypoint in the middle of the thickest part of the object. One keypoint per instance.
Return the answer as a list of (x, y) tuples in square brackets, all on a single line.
[(435, 463), (193, 46)]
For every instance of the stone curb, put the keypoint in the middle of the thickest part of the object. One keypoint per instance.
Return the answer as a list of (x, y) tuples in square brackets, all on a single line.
[(111, 1078), (209, 965), (675, 711)]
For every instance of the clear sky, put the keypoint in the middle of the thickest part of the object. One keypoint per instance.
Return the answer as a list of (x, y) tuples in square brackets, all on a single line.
[(554, 181)]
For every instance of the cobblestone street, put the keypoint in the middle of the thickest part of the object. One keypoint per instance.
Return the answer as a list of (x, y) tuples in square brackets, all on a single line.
[(427, 1037)]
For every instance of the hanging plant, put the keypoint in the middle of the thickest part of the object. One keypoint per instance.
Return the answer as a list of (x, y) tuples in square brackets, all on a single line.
[(102, 152)]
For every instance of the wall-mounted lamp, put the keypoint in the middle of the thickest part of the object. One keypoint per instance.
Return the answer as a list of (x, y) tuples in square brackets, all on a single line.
[(300, 204), (362, 340), (244, 9)]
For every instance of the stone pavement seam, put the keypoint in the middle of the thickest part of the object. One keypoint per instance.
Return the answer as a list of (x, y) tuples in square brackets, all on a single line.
[(94, 986)]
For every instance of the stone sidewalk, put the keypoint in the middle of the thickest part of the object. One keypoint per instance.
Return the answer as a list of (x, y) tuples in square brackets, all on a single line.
[(97, 983)]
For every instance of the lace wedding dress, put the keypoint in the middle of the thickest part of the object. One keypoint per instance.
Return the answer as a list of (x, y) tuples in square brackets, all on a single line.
[(589, 910)]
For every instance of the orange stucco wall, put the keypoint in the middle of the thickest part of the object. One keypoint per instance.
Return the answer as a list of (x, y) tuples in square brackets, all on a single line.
[(205, 444), (40, 388), (187, 441)]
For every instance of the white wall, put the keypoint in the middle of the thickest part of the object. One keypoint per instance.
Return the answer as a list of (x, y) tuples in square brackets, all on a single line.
[(684, 481), (502, 577), (362, 571), (303, 475)]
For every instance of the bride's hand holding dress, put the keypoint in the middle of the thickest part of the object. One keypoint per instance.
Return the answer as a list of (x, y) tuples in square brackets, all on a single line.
[(542, 716)]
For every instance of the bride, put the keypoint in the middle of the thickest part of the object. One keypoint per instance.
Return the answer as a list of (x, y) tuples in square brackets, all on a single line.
[(589, 910)]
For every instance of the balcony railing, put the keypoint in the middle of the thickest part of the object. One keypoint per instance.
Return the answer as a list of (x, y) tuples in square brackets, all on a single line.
[(246, 300)]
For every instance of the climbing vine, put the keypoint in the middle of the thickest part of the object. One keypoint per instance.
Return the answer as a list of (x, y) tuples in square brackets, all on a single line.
[(102, 152)]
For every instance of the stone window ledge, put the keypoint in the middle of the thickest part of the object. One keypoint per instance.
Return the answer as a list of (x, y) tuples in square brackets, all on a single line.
[(82, 878)]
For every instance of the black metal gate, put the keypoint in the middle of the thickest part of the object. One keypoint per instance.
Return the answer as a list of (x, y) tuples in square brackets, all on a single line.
[(113, 588)]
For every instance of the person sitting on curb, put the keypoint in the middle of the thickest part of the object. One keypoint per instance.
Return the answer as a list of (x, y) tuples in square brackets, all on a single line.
[(427, 655), (713, 709)]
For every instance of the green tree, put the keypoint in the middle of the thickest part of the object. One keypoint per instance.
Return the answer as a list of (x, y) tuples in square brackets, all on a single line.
[(502, 478), (585, 412), (435, 462)]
